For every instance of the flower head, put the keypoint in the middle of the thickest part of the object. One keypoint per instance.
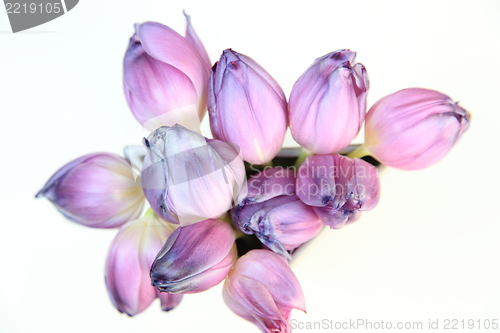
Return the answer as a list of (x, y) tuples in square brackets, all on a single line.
[(97, 190), (165, 76), (414, 128), (247, 107), (328, 103), (187, 178), (262, 288), (129, 260)]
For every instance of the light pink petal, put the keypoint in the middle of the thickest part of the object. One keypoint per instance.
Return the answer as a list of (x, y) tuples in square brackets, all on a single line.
[(166, 45)]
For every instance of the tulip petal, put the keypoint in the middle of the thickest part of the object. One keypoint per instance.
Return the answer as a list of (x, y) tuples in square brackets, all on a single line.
[(196, 43), (246, 108), (262, 288), (169, 301), (270, 183), (166, 45), (328, 103), (186, 179), (195, 258), (128, 262), (337, 187), (414, 128), (96, 190), (158, 94)]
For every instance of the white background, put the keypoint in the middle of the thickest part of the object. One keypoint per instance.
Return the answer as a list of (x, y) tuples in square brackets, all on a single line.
[(431, 248)]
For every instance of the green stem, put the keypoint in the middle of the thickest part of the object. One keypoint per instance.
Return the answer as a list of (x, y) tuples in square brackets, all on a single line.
[(304, 153), (359, 152)]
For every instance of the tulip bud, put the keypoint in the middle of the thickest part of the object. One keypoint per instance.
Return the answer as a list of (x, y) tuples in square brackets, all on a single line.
[(165, 76), (282, 223), (129, 259), (187, 178), (272, 212), (195, 258), (328, 103), (414, 128), (97, 190), (262, 288), (246, 107), (270, 183), (338, 187)]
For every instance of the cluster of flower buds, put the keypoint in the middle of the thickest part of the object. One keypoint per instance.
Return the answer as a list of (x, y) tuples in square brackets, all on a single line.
[(197, 189)]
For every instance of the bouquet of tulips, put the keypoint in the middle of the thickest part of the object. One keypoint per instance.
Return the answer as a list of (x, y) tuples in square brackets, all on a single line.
[(228, 209)]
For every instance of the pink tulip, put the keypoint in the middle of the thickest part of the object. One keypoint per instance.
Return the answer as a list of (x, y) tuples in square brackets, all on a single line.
[(129, 259), (282, 223), (247, 107), (328, 103), (414, 128), (97, 190), (165, 76), (270, 183), (187, 178), (195, 258), (262, 288), (338, 187), (274, 214)]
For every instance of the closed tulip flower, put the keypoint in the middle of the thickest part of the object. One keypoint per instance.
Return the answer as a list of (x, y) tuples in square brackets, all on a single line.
[(338, 187), (96, 190), (195, 258), (187, 178), (328, 103), (414, 128), (270, 183), (262, 289), (129, 259), (247, 107), (282, 223), (165, 76), (274, 214)]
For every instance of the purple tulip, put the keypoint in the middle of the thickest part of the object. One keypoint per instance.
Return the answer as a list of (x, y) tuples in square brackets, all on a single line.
[(262, 288), (338, 187), (328, 103), (270, 183), (129, 259), (165, 76), (187, 178), (195, 258), (282, 223), (247, 107), (414, 128), (272, 212), (97, 190)]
